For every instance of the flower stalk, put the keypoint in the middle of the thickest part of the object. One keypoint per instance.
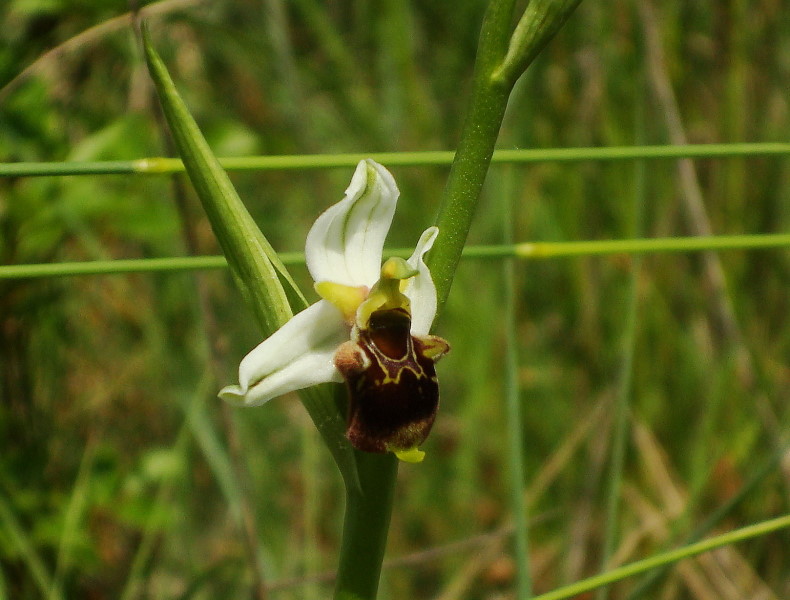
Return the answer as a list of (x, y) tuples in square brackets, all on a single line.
[(365, 527)]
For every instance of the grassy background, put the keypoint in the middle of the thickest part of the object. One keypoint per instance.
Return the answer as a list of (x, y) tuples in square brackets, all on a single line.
[(121, 475)]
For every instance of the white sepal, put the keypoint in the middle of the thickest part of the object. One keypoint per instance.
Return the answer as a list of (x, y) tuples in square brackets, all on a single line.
[(308, 370), (297, 355), (346, 241)]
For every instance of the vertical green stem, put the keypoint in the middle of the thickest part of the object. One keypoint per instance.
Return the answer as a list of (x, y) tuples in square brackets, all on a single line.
[(518, 502), (367, 520), (620, 435), (479, 134), (622, 407), (501, 59)]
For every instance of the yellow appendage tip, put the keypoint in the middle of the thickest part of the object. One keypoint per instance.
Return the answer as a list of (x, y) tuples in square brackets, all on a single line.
[(412, 455)]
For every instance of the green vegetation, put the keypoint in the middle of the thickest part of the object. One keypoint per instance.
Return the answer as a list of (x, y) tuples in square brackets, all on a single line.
[(652, 392)]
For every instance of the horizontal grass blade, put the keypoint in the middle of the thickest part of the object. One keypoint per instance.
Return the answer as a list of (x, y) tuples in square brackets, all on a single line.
[(301, 162), (666, 558), (526, 250)]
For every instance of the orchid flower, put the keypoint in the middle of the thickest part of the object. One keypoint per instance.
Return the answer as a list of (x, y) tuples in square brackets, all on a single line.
[(370, 327)]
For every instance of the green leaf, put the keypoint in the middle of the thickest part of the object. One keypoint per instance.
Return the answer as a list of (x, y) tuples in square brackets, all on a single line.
[(255, 266), (265, 283)]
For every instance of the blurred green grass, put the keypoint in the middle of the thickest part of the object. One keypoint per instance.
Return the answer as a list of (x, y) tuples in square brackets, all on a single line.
[(114, 463)]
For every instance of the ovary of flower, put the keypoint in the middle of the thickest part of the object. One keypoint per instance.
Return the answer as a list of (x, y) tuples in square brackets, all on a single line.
[(370, 327)]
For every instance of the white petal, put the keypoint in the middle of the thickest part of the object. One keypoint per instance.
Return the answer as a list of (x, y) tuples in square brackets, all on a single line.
[(297, 355), (310, 369), (420, 289), (346, 241)]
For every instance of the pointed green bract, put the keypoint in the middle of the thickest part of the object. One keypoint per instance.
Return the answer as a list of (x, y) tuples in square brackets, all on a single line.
[(540, 21), (254, 263), (265, 283)]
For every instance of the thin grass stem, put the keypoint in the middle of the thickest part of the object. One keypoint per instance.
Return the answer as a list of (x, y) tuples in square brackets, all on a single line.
[(650, 245), (23, 544), (623, 401), (518, 501), (162, 166), (645, 586), (75, 512), (527, 250), (667, 558)]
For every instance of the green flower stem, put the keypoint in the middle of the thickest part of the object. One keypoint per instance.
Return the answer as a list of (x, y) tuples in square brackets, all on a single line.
[(365, 531), (472, 159), (530, 250), (301, 162), (367, 519), (666, 558), (500, 61)]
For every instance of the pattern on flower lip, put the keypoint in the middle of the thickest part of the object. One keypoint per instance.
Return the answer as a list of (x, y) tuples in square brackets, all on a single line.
[(392, 383), (370, 328)]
